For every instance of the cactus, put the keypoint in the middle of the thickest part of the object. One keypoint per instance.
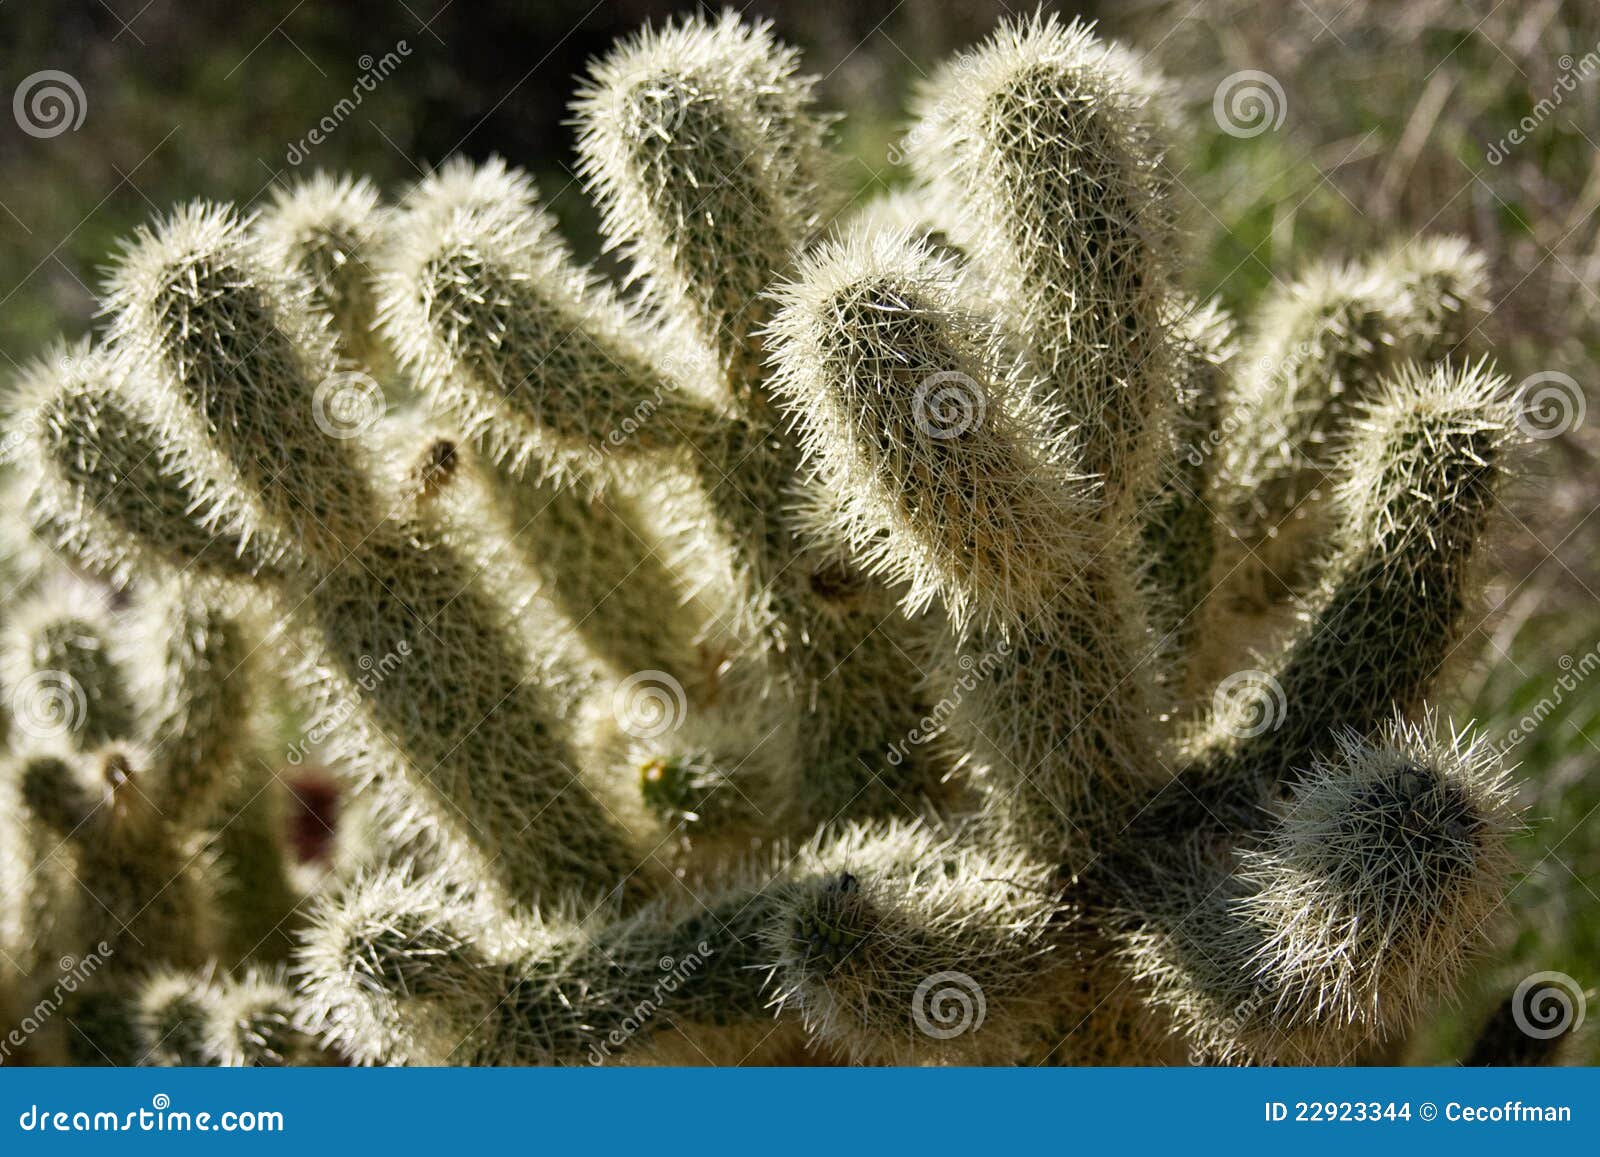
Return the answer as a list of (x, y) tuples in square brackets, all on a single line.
[(820, 649), (130, 729)]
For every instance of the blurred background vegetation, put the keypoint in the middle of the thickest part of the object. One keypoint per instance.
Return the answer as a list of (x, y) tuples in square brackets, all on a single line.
[(1391, 118)]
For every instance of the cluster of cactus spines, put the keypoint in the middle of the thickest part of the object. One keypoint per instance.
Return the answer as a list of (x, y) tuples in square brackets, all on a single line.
[(1049, 139), (908, 528), (1326, 931), (196, 1018), (845, 931), (130, 728), (949, 482), (1324, 345), (241, 354)]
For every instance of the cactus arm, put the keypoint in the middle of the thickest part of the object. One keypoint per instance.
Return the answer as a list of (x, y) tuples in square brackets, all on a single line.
[(918, 426), (455, 723), (64, 673), (1045, 138), (952, 497), (326, 230), (142, 879), (702, 149), (509, 339), (115, 486), (1330, 929), (400, 971), (899, 946), (704, 152), (232, 343), (1418, 483), (1178, 531), (200, 694), (1322, 348)]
